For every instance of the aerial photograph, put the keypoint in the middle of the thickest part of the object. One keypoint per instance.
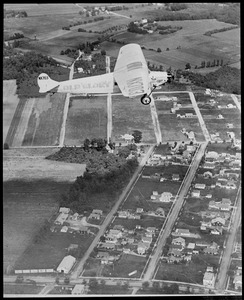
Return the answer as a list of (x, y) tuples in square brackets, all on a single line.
[(122, 150)]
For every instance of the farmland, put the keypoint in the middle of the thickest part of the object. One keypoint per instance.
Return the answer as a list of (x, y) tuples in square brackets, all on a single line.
[(10, 102), (87, 118), (41, 129), (21, 289), (130, 115)]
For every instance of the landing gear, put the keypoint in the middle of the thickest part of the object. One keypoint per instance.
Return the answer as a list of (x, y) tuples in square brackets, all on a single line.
[(145, 99)]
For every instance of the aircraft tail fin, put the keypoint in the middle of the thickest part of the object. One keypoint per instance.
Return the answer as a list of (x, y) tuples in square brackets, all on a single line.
[(45, 83)]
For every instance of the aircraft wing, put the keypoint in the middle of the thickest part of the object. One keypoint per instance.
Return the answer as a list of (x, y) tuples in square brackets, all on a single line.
[(131, 71)]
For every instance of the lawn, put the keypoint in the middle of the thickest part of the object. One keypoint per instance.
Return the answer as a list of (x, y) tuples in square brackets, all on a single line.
[(130, 115), (45, 121), (87, 118), (125, 265), (191, 272), (22, 288), (109, 290)]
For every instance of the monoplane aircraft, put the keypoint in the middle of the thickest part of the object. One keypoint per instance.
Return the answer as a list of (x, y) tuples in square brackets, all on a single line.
[(131, 77)]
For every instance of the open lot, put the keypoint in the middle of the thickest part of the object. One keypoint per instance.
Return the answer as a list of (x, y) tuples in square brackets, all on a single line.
[(130, 115), (87, 118)]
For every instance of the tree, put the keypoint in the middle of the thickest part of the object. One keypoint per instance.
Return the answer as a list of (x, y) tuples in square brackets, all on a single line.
[(5, 146), (188, 66), (159, 50), (103, 52), (87, 144), (145, 285), (156, 285), (167, 49), (203, 64), (93, 283), (66, 280), (137, 136)]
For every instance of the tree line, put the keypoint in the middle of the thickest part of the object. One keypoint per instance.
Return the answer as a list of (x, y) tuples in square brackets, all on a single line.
[(225, 79), (105, 173)]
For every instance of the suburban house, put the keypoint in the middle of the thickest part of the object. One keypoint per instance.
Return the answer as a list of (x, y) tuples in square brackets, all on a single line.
[(142, 247), (97, 211), (66, 264), (208, 165), (102, 254), (218, 221), (139, 210), (151, 229), (94, 216), (146, 239), (179, 241), (173, 259), (211, 154), (209, 279), (191, 246), (160, 211), (200, 186), (195, 193), (114, 233), (164, 197), (207, 174), (108, 245), (62, 217), (237, 281), (217, 230), (176, 247), (174, 252), (176, 177), (64, 210)]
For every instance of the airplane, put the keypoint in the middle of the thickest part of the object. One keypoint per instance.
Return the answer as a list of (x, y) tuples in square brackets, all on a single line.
[(131, 77)]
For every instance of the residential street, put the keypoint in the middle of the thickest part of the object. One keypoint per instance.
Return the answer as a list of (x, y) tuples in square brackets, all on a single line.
[(165, 231), (226, 258), (79, 268)]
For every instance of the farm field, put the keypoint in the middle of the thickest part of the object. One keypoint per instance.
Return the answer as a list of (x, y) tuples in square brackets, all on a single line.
[(87, 118), (10, 103), (45, 121), (201, 47), (130, 115), (31, 189)]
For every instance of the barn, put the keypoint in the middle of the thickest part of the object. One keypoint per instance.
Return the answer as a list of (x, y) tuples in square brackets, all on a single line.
[(66, 264)]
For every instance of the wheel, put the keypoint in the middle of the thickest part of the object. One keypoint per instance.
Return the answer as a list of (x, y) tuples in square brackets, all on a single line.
[(145, 99)]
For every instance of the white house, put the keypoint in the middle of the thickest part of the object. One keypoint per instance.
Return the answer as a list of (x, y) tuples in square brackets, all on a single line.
[(195, 193), (62, 217), (209, 279), (64, 210), (200, 186), (66, 264)]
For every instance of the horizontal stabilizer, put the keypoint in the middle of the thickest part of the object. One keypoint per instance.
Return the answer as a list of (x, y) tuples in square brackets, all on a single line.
[(45, 83)]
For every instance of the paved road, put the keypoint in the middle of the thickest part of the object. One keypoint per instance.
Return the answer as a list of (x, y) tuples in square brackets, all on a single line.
[(226, 258), (165, 231), (79, 268)]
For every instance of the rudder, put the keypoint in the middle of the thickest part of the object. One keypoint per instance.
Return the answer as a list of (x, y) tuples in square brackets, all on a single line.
[(45, 83)]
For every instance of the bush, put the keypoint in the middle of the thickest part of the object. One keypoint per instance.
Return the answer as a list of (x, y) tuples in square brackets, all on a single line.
[(5, 146)]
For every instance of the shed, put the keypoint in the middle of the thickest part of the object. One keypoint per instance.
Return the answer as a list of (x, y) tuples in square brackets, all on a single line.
[(66, 264)]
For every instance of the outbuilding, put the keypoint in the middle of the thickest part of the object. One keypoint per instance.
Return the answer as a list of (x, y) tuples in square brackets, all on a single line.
[(66, 264)]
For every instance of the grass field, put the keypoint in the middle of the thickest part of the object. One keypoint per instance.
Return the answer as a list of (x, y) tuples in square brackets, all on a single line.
[(130, 115), (22, 288), (45, 121), (87, 118), (10, 103), (31, 190), (126, 264)]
